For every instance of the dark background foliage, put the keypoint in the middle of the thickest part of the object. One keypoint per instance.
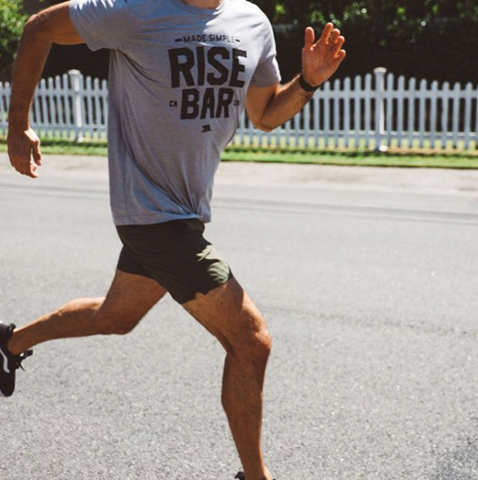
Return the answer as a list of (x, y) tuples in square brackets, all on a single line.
[(12, 19), (431, 39), (444, 50)]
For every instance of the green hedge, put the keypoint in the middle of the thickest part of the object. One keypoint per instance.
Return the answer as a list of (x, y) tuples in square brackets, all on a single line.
[(12, 20), (445, 50)]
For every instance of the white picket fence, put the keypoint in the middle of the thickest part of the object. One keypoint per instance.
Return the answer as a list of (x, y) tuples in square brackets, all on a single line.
[(66, 107), (377, 111)]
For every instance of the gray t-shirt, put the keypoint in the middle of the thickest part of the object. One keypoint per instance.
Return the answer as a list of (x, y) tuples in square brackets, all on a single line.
[(178, 79)]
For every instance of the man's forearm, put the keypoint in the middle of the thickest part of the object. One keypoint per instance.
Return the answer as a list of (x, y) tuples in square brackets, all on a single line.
[(289, 100), (31, 58)]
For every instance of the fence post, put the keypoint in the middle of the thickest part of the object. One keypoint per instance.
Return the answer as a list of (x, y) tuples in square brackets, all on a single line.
[(77, 90), (380, 108)]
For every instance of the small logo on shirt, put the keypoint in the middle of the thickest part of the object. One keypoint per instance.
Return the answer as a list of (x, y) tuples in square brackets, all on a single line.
[(211, 37), (206, 129)]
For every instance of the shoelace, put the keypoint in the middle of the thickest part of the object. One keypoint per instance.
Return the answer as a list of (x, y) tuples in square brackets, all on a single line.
[(19, 358)]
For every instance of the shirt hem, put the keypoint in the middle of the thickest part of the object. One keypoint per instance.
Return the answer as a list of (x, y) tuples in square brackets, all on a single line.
[(122, 220)]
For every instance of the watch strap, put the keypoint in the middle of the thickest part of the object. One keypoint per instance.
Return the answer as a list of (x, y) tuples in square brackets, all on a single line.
[(306, 86)]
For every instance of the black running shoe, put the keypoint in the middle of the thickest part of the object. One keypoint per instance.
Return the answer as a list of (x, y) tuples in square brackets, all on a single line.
[(240, 476), (9, 363)]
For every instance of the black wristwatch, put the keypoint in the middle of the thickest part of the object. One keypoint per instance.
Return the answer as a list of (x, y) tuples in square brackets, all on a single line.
[(306, 86)]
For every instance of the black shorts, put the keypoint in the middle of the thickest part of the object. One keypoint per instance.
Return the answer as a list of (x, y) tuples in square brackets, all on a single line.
[(176, 255)]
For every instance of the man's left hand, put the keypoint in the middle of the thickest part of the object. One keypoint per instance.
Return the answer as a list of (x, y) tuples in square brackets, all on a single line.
[(321, 59)]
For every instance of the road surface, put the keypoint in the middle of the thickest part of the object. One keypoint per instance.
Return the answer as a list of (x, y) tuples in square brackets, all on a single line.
[(368, 279)]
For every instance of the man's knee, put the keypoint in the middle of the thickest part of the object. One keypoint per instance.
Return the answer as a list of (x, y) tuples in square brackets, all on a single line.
[(263, 344), (256, 348)]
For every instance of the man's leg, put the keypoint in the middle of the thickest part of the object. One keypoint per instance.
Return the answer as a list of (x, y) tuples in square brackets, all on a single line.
[(229, 314), (129, 299)]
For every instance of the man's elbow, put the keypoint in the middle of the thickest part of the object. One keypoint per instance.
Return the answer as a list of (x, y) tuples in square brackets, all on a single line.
[(264, 128), (36, 27), (34, 24)]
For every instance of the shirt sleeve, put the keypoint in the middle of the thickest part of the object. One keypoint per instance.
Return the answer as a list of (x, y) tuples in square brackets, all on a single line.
[(101, 23), (267, 72)]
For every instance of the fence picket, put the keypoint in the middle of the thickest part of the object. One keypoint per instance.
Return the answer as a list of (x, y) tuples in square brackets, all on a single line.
[(368, 109), (456, 114), (468, 106), (316, 102), (296, 122), (379, 106), (337, 115), (401, 96), (422, 98), (434, 96), (389, 108), (444, 115), (326, 133), (104, 97), (347, 120), (68, 99), (307, 125), (88, 111), (412, 87), (96, 104), (51, 107), (358, 110)]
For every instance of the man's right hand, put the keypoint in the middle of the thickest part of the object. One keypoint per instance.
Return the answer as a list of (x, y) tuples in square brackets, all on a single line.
[(24, 152), (52, 25)]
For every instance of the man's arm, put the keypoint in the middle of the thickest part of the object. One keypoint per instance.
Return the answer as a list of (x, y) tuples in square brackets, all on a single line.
[(52, 25), (270, 107)]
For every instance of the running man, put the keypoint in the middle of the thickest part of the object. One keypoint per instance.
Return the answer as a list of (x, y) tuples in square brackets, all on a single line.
[(181, 73)]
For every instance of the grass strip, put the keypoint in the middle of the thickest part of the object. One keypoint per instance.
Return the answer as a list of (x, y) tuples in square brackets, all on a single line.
[(393, 158), (361, 159)]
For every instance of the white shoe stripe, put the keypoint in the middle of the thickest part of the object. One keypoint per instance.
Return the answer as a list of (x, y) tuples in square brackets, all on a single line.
[(5, 362)]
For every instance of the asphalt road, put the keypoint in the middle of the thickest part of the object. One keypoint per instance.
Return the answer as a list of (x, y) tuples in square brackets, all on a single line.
[(368, 279)]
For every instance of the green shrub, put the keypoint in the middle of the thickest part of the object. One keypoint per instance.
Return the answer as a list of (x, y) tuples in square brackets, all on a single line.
[(12, 20)]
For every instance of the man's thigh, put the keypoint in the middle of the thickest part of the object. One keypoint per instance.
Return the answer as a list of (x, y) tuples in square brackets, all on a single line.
[(230, 315), (129, 298)]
